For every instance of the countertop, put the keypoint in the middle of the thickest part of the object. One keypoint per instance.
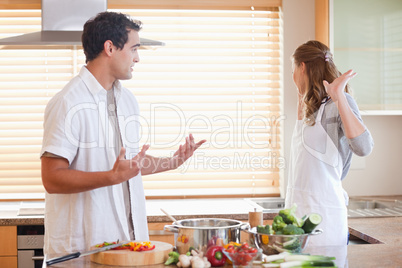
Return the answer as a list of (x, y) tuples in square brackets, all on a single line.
[(231, 208), (385, 232), (387, 254)]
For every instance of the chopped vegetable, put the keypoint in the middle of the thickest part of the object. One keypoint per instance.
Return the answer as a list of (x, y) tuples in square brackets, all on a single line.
[(233, 244), (311, 222), (133, 246), (291, 229), (173, 258), (289, 216), (105, 244), (141, 246), (278, 224)]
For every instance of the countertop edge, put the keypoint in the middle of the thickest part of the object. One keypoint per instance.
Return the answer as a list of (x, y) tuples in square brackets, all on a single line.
[(39, 220)]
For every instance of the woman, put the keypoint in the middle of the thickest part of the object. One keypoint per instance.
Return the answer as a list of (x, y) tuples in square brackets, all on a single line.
[(328, 130)]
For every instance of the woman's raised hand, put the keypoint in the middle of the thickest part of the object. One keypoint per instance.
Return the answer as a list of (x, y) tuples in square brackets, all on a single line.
[(337, 87)]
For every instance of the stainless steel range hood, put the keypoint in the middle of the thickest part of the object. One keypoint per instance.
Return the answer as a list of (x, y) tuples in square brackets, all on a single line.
[(62, 23)]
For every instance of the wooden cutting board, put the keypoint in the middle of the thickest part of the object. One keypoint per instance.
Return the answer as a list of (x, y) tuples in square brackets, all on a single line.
[(134, 258)]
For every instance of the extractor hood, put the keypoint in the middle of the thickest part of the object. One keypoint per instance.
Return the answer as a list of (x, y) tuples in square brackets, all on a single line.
[(62, 23)]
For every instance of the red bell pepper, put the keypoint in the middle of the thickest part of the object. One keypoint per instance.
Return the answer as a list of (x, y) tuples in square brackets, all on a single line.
[(146, 248), (215, 256)]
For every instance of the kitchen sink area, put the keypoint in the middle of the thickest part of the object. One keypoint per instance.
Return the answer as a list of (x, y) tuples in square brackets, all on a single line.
[(267, 204), (357, 208), (362, 208)]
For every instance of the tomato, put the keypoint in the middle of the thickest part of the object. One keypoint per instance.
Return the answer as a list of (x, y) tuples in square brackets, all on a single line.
[(242, 254)]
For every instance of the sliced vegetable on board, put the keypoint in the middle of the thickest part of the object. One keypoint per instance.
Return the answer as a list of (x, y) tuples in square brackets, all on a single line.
[(133, 246)]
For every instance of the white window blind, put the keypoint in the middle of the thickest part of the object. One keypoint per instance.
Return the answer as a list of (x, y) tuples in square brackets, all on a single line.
[(218, 77)]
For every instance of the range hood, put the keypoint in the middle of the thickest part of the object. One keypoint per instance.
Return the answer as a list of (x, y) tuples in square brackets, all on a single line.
[(62, 23)]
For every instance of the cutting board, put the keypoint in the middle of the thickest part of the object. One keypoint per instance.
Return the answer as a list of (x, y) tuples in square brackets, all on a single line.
[(126, 257)]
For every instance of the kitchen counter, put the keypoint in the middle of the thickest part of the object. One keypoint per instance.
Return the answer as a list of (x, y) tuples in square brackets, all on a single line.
[(181, 209), (385, 232)]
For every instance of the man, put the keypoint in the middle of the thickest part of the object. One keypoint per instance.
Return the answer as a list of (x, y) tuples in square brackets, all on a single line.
[(91, 161)]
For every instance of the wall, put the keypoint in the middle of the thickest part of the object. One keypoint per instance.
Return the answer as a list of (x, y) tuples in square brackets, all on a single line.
[(380, 172), (377, 174), (298, 27)]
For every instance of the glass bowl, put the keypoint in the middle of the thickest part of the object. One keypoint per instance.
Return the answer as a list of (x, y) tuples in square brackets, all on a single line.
[(274, 244), (242, 258)]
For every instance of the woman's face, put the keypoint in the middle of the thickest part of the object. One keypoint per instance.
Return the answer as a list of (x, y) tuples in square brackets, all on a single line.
[(299, 77)]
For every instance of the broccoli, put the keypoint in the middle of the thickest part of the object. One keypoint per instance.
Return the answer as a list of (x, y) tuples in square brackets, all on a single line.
[(278, 224), (291, 229), (173, 258), (289, 216), (294, 244), (264, 229)]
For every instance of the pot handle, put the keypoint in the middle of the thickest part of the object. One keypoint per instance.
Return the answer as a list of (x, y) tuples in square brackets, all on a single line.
[(172, 228), (245, 226)]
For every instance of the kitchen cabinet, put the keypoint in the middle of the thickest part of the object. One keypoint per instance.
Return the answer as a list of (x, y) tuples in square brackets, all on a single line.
[(368, 40), (8, 247)]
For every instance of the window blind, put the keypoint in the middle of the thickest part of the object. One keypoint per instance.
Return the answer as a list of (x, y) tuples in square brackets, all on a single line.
[(218, 77)]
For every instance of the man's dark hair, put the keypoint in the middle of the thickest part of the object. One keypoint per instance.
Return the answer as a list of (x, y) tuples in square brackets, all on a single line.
[(106, 26)]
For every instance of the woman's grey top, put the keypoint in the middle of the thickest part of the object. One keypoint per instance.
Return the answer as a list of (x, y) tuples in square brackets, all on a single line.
[(361, 145)]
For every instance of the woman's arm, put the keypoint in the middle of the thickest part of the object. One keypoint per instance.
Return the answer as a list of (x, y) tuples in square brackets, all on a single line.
[(336, 90)]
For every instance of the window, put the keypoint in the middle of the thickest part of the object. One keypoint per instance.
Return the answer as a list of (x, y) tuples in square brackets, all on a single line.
[(218, 77)]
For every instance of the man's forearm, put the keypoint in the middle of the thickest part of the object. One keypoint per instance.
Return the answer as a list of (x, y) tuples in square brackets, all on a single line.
[(58, 178), (154, 165), (61, 180)]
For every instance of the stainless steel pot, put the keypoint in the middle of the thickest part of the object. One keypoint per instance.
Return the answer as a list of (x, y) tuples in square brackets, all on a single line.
[(201, 233)]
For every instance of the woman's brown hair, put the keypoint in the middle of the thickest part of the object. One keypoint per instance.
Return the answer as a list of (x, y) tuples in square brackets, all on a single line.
[(319, 67)]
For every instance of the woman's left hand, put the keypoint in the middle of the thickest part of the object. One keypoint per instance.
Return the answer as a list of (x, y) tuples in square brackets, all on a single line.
[(337, 87)]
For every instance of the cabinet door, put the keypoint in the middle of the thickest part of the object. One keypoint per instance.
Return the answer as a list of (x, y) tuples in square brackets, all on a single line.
[(367, 39), (8, 247), (8, 236), (9, 262)]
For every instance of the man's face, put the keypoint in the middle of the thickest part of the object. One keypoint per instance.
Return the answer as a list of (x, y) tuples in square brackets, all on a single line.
[(125, 58)]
